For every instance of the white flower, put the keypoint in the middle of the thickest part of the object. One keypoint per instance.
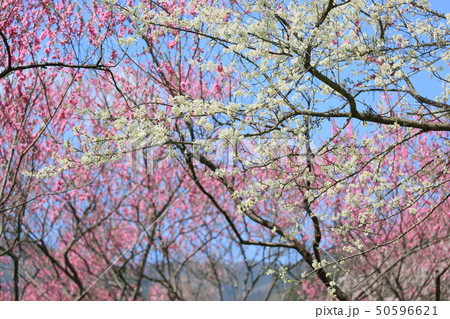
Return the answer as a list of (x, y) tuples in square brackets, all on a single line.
[(316, 265), (127, 41)]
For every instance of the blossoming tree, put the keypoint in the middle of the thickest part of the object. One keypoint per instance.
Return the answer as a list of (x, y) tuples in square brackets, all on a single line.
[(335, 152)]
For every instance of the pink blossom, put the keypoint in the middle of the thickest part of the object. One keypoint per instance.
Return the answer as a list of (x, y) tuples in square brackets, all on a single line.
[(171, 44)]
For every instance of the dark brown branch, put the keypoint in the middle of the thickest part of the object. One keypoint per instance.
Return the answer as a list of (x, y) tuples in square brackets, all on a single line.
[(10, 68), (8, 50), (53, 64), (438, 281)]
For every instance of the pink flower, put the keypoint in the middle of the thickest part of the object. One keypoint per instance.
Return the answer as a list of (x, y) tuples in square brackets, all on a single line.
[(216, 87), (113, 55), (171, 44), (58, 186)]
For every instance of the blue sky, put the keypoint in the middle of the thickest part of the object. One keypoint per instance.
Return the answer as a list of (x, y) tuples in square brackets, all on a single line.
[(440, 5)]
